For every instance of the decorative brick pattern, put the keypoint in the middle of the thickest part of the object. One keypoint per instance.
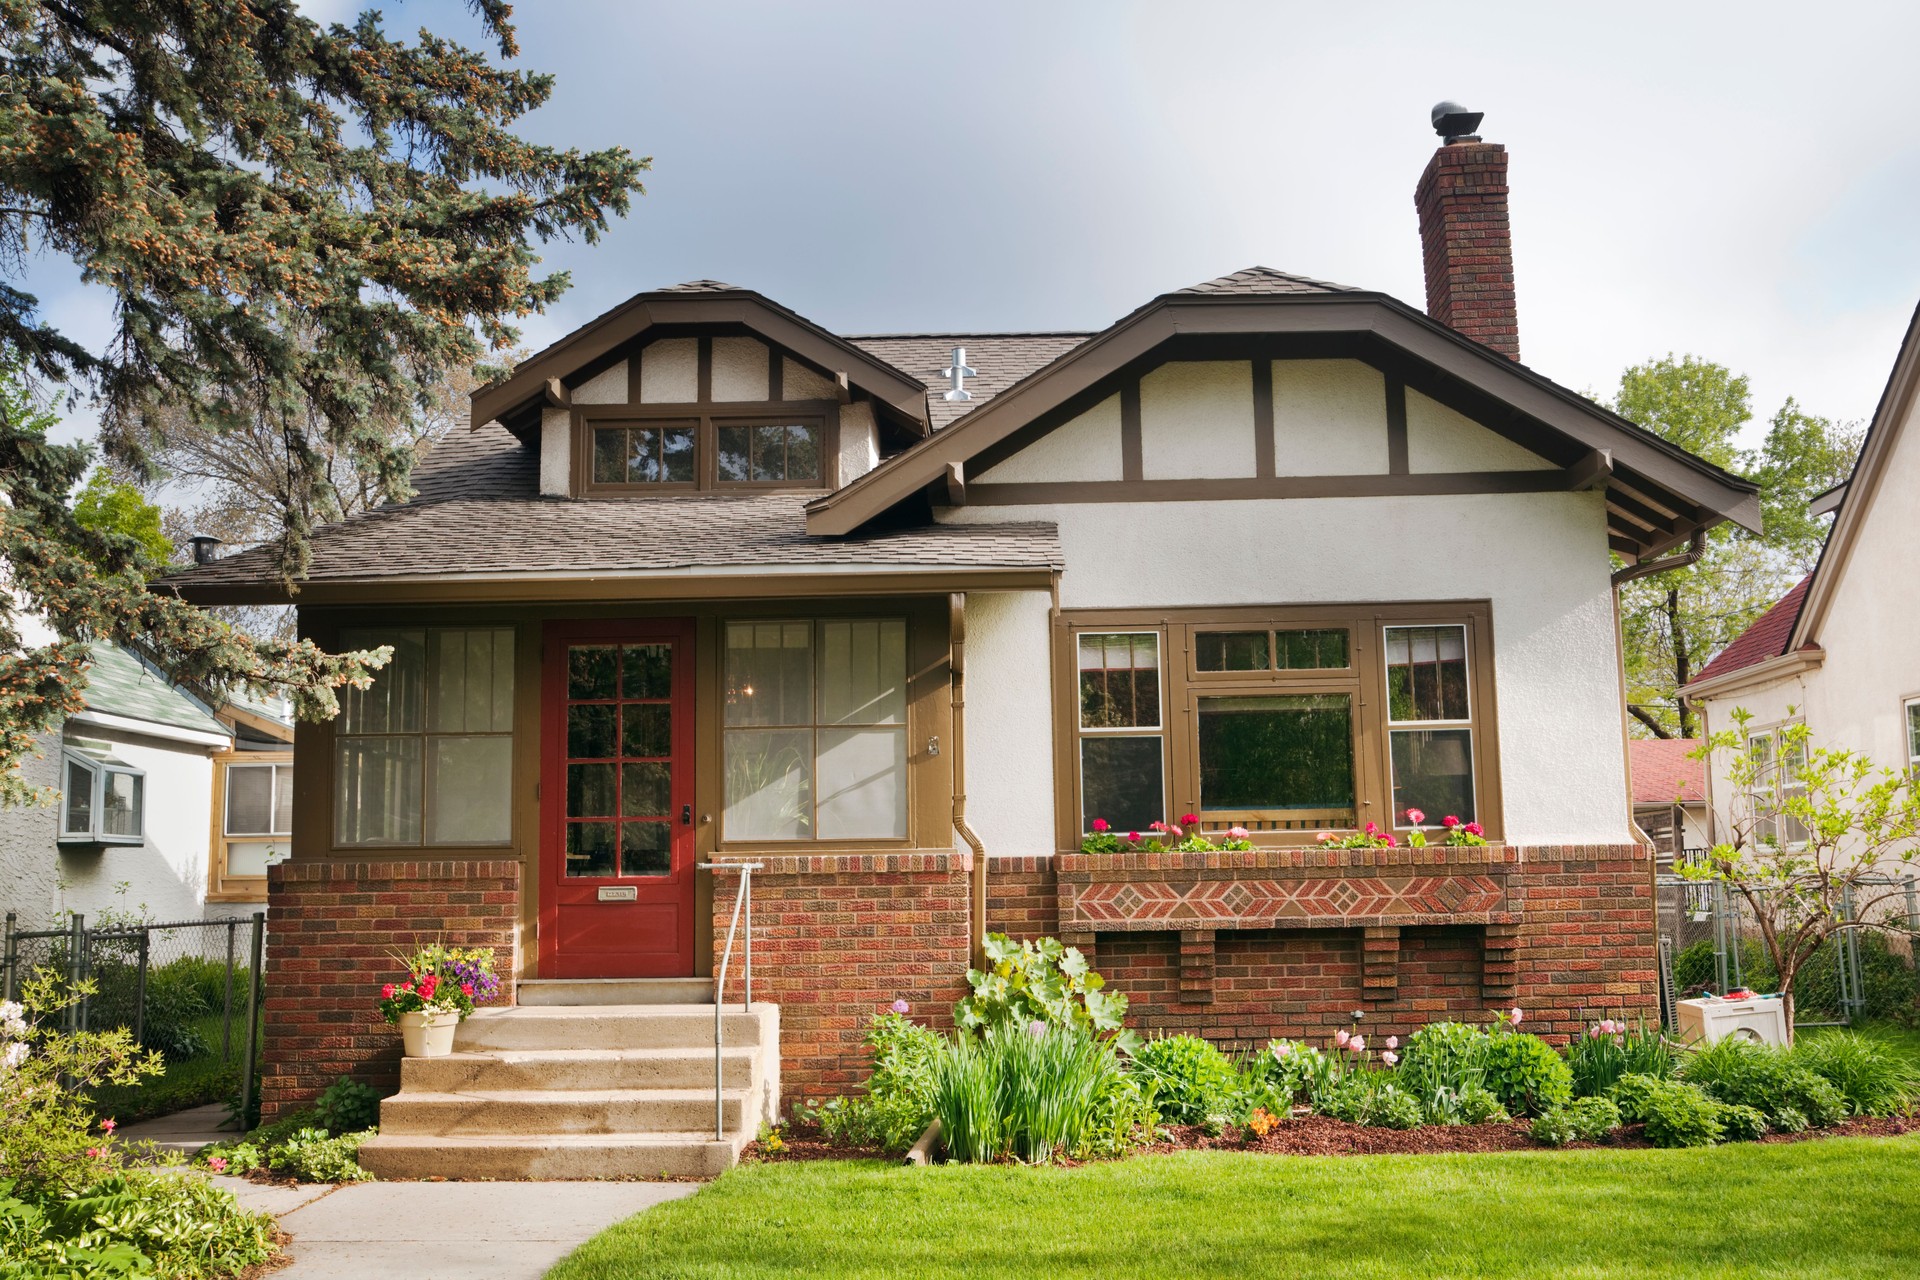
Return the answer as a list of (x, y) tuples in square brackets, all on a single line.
[(1196, 966), (332, 930), (1380, 962), (1468, 244), (838, 938), (1253, 904)]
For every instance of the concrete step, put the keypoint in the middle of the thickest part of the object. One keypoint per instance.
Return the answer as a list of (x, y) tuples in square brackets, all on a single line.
[(599, 991), (660, 1026), (506, 1069), (524, 1111), (692, 1153)]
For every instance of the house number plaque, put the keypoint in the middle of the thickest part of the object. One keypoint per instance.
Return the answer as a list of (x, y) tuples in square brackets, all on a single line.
[(620, 893)]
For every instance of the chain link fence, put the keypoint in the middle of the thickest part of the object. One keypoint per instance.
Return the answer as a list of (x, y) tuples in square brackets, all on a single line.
[(188, 990)]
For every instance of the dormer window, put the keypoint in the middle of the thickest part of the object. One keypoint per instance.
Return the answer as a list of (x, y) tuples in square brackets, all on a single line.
[(103, 799), (659, 456), (635, 450), (785, 451)]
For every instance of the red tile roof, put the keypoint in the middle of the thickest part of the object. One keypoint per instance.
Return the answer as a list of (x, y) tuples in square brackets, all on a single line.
[(1662, 774), (1766, 638)]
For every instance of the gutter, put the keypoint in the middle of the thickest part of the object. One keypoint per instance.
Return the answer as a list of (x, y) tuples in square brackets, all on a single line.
[(977, 851), (1760, 673), (1647, 568)]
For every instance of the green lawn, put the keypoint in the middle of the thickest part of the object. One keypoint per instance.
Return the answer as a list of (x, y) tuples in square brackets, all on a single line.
[(1837, 1207), (184, 1083)]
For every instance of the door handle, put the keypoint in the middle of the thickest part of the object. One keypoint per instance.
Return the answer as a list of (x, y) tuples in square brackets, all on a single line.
[(686, 815)]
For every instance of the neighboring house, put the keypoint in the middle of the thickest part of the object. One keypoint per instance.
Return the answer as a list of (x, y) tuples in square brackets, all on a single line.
[(166, 807), (1840, 652), (708, 581), (1669, 793)]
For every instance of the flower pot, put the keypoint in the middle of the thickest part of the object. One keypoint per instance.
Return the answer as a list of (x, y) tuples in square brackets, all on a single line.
[(428, 1033)]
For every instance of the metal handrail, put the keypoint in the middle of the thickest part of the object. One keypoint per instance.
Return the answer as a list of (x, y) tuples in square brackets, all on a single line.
[(742, 898)]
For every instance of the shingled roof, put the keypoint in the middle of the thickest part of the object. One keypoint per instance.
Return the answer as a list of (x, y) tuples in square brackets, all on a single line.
[(1663, 771), (999, 361), (1766, 638), (1265, 280), (478, 513)]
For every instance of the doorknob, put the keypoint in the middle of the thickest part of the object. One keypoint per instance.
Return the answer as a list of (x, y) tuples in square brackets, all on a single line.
[(686, 815)]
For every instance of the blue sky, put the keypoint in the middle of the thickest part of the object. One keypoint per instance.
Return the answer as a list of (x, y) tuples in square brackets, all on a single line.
[(1737, 181)]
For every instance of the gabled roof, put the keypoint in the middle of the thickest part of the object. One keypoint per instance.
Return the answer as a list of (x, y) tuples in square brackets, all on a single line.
[(1659, 494), (1767, 637), (121, 684), (703, 302), (1663, 773), (478, 518), (998, 359)]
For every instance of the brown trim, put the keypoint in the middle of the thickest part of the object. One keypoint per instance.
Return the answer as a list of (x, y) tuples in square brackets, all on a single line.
[(612, 587), (584, 428), (706, 417), (1396, 425), (1132, 468), (234, 715), (780, 327), (634, 350), (1263, 447), (222, 887), (1251, 487), (1417, 338), (776, 372), (1365, 678), (703, 368)]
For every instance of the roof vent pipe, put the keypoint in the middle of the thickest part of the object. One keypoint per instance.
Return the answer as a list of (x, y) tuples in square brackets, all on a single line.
[(958, 373)]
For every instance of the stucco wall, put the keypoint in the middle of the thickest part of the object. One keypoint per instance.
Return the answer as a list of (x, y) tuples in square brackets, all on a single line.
[(739, 369), (556, 447), (1329, 418), (1010, 721), (1539, 558), (1196, 420), (1872, 648), (859, 441), (165, 878), (1438, 439), (1083, 448), (670, 371)]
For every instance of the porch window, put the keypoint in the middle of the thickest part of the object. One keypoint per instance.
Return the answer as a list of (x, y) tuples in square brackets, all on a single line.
[(1430, 718), (1284, 721), (425, 755), (253, 821), (815, 742), (103, 799)]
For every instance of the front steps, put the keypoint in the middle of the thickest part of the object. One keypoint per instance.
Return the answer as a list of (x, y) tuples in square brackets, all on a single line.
[(576, 1083)]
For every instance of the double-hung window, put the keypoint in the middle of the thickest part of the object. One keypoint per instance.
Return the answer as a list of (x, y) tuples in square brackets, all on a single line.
[(1285, 721), (1779, 758), (425, 755), (102, 798), (253, 821), (1910, 723), (815, 736)]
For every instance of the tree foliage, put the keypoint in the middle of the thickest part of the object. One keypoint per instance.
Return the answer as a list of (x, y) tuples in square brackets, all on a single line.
[(1674, 622), (305, 228), (106, 505), (1818, 841)]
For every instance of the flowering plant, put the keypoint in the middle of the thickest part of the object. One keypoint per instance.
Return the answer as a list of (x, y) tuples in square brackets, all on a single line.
[(441, 979), (1181, 837), (1373, 836)]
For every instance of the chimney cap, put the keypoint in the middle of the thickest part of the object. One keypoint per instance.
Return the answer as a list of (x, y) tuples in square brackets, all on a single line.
[(1454, 123), (203, 545)]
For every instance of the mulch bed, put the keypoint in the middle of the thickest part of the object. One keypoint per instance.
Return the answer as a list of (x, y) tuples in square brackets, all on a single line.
[(1311, 1135)]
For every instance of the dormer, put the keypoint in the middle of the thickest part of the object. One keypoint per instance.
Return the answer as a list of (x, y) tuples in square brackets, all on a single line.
[(704, 389)]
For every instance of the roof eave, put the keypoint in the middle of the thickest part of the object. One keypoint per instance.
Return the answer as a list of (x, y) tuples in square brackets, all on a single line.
[(1767, 671)]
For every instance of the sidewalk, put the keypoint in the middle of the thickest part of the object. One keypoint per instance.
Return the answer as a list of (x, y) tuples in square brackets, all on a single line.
[(184, 1131), (444, 1230)]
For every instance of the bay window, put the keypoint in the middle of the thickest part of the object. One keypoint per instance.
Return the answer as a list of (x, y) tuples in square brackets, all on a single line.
[(424, 756), (102, 798), (814, 742), (1285, 721)]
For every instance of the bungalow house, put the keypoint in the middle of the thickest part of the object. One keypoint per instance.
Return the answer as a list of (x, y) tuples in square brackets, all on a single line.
[(897, 618), (1838, 652)]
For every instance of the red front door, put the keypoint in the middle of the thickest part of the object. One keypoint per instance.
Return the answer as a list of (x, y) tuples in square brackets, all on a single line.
[(616, 800)]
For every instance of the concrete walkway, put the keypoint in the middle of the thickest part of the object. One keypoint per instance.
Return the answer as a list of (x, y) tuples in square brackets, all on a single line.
[(183, 1131), (444, 1230)]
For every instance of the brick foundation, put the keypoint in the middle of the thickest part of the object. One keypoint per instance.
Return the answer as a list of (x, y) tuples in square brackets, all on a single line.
[(333, 930)]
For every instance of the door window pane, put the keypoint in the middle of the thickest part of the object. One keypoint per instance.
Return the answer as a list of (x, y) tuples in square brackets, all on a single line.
[(646, 729), (470, 780), (645, 849), (591, 672), (1120, 681), (590, 848), (646, 671), (769, 784), (377, 790), (1121, 781), (590, 790), (1230, 651), (863, 792), (646, 790), (1433, 772), (1276, 754), (590, 731), (1427, 673)]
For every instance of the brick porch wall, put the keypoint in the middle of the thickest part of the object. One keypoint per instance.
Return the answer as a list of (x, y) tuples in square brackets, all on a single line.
[(332, 930), (836, 939)]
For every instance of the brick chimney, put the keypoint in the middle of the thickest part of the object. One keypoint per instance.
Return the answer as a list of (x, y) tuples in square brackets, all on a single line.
[(1464, 234)]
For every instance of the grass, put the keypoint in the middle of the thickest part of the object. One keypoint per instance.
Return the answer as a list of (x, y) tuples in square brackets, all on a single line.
[(189, 1082), (1840, 1207)]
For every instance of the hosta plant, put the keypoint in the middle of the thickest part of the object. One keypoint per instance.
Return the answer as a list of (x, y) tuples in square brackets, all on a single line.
[(1041, 981)]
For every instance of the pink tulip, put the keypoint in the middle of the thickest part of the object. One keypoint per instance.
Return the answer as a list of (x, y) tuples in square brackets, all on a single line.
[(1357, 1045), (1341, 1037), (1390, 1057), (1175, 832), (1516, 1015), (1393, 1042)]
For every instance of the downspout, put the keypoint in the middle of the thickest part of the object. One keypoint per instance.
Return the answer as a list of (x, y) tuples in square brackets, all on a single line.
[(977, 852)]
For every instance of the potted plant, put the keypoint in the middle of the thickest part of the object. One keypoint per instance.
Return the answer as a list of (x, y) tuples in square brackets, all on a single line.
[(441, 988)]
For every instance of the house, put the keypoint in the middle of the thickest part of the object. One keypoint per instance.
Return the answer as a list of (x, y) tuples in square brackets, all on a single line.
[(898, 617), (168, 806), (1838, 652), (1669, 793)]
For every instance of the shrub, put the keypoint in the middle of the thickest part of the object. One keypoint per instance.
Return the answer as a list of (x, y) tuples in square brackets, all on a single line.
[(175, 1003), (1479, 1105), (1552, 1127), (1874, 1080), (1676, 1113), (1395, 1108), (348, 1106), (1788, 1120), (898, 1103), (1286, 1072), (1741, 1124), (1041, 981), (314, 1155), (1192, 1080), (1582, 1120), (1525, 1073), (1742, 1073), (1611, 1049)]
